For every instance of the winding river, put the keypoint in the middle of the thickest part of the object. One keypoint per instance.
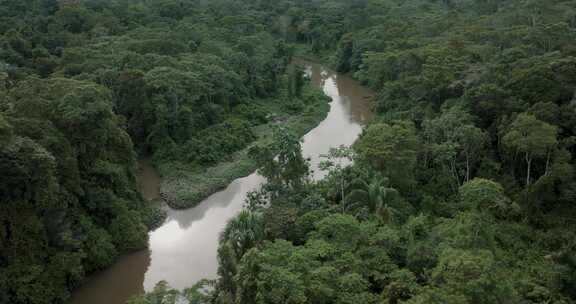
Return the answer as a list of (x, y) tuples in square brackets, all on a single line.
[(183, 250)]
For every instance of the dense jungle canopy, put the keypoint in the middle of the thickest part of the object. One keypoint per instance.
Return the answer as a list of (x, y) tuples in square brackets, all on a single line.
[(462, 189)]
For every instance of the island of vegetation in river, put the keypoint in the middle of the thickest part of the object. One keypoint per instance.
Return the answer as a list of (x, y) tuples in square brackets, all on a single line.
[(462, 190)]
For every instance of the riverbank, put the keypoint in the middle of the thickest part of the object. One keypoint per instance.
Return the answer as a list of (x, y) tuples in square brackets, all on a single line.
[(185, 185), (184, 249)]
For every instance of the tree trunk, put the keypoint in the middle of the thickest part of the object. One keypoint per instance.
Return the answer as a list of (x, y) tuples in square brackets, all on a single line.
[(529, 162), (447, 166), (455, 172)]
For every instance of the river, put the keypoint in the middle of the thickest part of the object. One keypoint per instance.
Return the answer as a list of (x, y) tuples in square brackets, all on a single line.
[(184, 249)]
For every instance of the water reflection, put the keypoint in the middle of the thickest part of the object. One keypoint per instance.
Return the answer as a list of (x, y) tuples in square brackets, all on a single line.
[(358, 96), (184, 249), (349, 111), (223, 199)]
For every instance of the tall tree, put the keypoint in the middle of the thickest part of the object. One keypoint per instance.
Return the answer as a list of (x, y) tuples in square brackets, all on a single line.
[(531, 137), (455, 143), (282, 162), (374, 195), (392, 149), (244, 231)]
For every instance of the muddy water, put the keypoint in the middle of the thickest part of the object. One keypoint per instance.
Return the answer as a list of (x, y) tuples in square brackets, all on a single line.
[(349, 111), (183, 250)]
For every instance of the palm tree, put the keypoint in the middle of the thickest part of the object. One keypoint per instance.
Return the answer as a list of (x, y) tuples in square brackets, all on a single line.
[(375, 196), (244, 231)]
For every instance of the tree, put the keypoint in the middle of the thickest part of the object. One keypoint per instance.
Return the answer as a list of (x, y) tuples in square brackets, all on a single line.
[(433, 295), (375, 194), (128, 232), (455, 142), (98, 246), (340, 229), (74, 18), (344, 53), (281, 162), (175, 93), (481, 195), (244, 232), (296, 81), (68, 173), (279, 285), (474, 275), (402, 286), (336, 161), (162, 294), (531, 137), (392, 150)]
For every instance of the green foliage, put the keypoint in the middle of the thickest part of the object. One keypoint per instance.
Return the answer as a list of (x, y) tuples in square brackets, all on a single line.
[(162, 294), (220, 141), (296, 81), (193, 87), (437, 296), (392, 149), (376, 198), (128, 232), (98, 246), (80, 82), (475, 113), (342, 230), (531, 137), (278, 285), (281, 162), (454, 145), (474, 275), (69, 203), (482, 195), (475, 130), (244, 232)]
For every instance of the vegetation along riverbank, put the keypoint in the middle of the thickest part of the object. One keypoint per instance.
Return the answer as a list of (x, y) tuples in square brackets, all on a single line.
[(461, 189), (86, 86), (186, 184)]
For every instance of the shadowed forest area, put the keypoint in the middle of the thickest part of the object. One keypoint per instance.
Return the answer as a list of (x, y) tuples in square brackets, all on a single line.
[(462, 189)]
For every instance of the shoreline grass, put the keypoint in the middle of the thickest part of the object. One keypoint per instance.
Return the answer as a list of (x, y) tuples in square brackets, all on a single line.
[(185, 185)]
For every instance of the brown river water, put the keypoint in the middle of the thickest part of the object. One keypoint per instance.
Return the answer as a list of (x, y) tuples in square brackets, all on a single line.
[(184, 249)]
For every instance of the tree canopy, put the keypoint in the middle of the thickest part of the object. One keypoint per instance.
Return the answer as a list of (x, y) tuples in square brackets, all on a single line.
[(461, 190)]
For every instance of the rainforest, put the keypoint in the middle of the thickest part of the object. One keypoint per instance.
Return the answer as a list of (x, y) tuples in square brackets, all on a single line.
[(405, 151)]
